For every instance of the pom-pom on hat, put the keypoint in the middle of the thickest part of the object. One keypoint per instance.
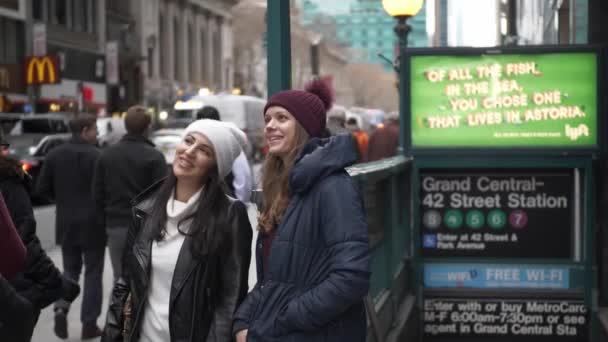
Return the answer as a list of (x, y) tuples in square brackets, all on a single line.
[(308, 106), (228, 141)]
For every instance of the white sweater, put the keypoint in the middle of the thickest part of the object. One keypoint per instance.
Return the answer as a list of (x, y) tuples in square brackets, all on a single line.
[(155, 324)]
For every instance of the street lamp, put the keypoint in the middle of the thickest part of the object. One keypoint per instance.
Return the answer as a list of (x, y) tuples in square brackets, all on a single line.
[(402, 10)]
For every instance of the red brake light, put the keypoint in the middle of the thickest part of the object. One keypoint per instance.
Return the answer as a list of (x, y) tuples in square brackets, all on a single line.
[(26, 165)]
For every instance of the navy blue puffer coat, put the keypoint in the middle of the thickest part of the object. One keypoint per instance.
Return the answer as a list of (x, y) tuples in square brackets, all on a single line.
[(318, 268)]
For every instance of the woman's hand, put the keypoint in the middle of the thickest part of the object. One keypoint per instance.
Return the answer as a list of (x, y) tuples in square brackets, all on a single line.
[(241, 336)]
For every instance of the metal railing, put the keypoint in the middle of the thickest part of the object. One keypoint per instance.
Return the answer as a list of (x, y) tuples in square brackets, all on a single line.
[(385, 188)]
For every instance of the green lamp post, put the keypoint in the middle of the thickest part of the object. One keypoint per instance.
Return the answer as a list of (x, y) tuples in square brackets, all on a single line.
[(402, 10)]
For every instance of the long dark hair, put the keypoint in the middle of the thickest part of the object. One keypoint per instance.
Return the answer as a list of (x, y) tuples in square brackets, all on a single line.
[(209, 220), (275, 182)]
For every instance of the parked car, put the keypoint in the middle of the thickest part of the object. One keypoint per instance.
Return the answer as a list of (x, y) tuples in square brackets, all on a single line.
[(8, 121), (32, 137), (246, 112), (33, 163), (29, 130)]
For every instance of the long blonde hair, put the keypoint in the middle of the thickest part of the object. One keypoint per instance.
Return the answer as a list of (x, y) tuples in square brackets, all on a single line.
[(275, 182)]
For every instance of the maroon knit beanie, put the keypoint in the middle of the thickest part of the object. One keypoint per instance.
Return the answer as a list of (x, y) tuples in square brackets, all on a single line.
[(308, 106)]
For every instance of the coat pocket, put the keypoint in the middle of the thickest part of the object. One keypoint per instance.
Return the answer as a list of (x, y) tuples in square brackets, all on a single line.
[(275, 297)]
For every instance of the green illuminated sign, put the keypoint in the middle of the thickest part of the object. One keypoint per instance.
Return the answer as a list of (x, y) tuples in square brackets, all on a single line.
[(510, 100)]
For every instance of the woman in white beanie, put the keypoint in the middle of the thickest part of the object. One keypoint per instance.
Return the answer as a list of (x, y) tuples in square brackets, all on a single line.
[(188, 251)]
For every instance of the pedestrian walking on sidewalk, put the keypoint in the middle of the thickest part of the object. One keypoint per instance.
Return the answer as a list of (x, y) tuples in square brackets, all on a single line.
[(188, 250), (313, 252), (67, 177), (361, 137), (384, 140), (123, 171)]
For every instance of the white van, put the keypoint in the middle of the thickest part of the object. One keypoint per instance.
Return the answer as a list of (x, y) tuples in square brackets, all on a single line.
[(110, 130), (246, 112)]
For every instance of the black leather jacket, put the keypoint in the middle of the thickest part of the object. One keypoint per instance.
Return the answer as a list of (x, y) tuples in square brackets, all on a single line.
[(205, 292)]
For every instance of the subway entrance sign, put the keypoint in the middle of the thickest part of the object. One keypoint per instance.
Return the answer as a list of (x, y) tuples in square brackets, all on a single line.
[(497, 213), (504, 245), (502, 320), (503, 143)]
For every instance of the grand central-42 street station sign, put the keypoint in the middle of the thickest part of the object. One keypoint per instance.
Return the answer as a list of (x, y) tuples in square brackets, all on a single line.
[(497, 213)]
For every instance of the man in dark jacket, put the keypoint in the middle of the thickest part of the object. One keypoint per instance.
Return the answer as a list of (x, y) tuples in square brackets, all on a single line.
[(123, 171), (384, 141), (67, 177)]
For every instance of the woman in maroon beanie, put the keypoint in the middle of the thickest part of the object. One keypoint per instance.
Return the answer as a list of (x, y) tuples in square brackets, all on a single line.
[(313, 251)]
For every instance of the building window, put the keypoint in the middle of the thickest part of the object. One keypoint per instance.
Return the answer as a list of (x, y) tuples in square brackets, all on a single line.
[(364, 33), (11, 46), (38, 9), (162, 52), (69, 14), (217, 58), (176, 49), (203, 71), (150, 62), (3, 33), (78, 15), (60, 13), (89, 10), (190, 68)]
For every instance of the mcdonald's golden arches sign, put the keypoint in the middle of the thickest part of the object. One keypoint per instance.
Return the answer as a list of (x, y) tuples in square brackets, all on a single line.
[(42, 70)]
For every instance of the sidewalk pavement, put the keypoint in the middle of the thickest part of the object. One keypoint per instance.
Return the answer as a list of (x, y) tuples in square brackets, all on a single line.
[(44, 329)]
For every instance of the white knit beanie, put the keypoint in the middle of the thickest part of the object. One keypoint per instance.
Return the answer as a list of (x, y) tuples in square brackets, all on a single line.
[(228, 141)]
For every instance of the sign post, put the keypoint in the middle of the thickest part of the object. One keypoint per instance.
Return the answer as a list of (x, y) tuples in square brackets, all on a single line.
[(39, 31), (502, 190), (39, 49)]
